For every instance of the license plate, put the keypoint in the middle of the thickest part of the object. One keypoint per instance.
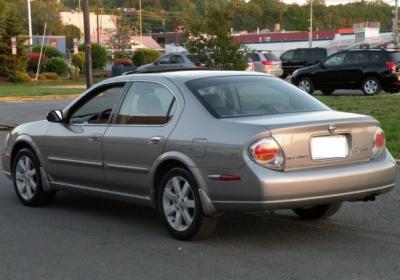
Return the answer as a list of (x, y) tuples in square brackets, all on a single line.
[(329, 147)]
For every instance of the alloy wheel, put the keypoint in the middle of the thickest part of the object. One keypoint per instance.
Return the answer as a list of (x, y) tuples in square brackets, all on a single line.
[(179, 203), (305, 85), (26, 178), (370, 87)]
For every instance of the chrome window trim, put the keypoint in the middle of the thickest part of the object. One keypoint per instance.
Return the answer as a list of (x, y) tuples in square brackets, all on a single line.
[(114, 119)]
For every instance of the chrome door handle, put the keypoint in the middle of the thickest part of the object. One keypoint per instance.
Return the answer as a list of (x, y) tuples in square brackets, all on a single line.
[(95, 137), (156, 140)]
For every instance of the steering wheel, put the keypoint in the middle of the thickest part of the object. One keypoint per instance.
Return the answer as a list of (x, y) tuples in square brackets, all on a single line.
[(102, 114)]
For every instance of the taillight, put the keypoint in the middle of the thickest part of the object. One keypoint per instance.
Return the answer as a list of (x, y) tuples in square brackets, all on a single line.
[(391, 65), (379, 143), (266, 62), (267, 153)]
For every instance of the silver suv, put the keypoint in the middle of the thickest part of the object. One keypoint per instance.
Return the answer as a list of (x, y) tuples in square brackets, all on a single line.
[(172, 61)]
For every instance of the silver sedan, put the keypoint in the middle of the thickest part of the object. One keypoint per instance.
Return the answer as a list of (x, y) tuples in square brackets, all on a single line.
[(194, 144)]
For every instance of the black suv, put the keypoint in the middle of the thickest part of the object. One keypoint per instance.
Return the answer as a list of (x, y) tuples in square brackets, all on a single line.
[(298, 58), (366, 69)]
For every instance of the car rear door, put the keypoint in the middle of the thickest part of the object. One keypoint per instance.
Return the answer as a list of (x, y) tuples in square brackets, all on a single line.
[(353, 68), (74, 148), (137, 136)]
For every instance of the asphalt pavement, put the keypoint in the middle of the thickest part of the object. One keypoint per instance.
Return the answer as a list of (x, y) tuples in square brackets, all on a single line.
[(80, 237)]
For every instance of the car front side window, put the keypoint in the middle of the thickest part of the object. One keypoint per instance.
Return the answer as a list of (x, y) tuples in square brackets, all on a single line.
[(335, 60), (147, 103), (98, 108)]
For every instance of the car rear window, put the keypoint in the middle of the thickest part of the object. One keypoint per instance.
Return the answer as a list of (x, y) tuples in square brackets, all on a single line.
[(254, 57), (270, 57), (194, 59), (242, 96), (395, 56)]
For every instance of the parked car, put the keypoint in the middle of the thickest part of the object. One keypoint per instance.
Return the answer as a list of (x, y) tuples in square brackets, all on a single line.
[(266, 62), (172, 61), (299, 58), (366, 69), (196, 144)]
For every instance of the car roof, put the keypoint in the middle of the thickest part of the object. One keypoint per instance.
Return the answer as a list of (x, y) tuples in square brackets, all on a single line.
[(183, 76)]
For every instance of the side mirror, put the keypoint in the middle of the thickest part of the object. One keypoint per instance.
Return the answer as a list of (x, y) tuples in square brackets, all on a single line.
[(55, 116)]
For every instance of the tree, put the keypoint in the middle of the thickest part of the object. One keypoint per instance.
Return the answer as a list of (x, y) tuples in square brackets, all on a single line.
[(99, 55), (121, 41), (12, 28), (71, 32), (209, 36)]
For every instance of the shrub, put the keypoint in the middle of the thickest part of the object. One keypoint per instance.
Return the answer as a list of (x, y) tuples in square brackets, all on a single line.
[(74, 72), (33, 61), (144, 56), (99, 55), (56, 65), (123, 61), (20, 77), (49, 76), (50, 52), (42, 77), (78, 60)]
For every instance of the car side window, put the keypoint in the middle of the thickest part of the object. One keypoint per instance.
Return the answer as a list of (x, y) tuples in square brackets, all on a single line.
[(335, 60), (300, 54), (176, 59), (355, 58), (164, 60), (97, 109), (254, 57), (147, 103), (288, 55)]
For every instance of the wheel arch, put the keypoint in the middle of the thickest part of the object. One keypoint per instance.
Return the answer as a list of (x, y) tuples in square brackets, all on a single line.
[(25, 141), (173, 159)]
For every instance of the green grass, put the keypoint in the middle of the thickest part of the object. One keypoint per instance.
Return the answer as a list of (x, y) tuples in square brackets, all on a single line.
[(11, 90), (385, 108)]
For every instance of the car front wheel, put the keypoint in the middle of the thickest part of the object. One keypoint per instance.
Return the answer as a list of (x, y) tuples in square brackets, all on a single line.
[(306, 85), (27, 180), (371, 86), (318, 212), (180, 209)]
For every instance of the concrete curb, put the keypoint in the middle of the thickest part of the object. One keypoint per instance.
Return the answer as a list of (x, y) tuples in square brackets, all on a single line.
[(38, 98)]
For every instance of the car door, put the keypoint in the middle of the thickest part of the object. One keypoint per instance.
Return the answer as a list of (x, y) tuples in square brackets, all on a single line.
[(137, 136), (353, 68), (329, 75), (287, 64), (74, 148)]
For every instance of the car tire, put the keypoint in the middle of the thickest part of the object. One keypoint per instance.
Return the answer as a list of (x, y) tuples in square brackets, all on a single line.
[(306, 84), (318, 212), (28, 181), (180, 208), (327, 91), (371, 86)]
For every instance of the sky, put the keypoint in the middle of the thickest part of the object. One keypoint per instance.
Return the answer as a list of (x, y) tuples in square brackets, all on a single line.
[(328, 2)]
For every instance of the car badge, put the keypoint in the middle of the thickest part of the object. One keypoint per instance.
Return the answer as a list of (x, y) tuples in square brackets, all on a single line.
[(332, 128)]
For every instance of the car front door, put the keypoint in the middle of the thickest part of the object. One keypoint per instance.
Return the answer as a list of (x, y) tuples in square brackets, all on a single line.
[(287, 62), (137, 136), (74, 148), (329, 75)]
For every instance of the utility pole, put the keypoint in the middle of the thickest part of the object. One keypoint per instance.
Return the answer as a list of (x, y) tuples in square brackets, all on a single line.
[(396, 24), (97, 21), (140, 18), (88, 46), (310, 33), (30, 23)]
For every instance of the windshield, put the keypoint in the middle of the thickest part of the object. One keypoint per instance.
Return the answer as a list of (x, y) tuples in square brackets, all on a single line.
[(242, 96)]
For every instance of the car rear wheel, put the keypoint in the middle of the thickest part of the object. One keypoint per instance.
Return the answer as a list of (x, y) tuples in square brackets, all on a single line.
[(27, 180), (327, 91), (318, 212), (371, 86), (180, 209), (306, 85)]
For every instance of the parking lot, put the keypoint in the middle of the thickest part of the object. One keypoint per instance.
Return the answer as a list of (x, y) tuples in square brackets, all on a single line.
[(79, 237)]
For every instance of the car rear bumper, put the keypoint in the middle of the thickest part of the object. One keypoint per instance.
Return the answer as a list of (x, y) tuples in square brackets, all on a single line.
[(391, 82), (302, 188)]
